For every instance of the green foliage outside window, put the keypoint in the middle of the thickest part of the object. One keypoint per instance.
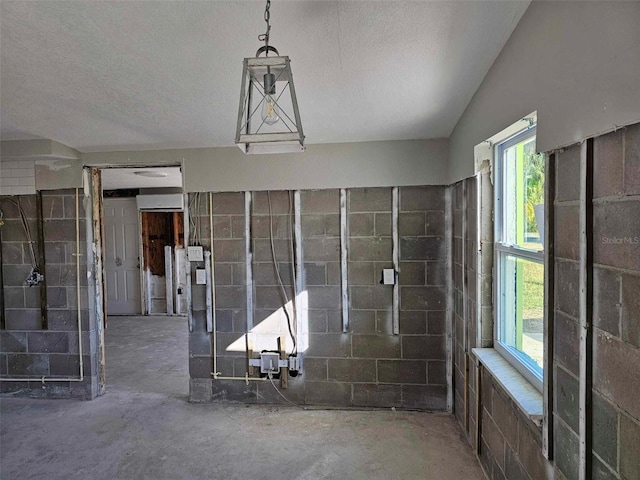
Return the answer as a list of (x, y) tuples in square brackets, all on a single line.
[(534, 178)]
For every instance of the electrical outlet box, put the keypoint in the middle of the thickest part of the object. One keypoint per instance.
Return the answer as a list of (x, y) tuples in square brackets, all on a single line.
[(269, 362), (388, 276), (201, 278), (195, 254)]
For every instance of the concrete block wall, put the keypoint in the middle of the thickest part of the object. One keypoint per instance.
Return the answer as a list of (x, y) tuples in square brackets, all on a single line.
[(423, 278), (21, 303), (367, 365), (458, 326), (329, 366), (510, 444), (616, 290), (464, 330), (231, 312), (616, 304), (40, 342), (566, 319)]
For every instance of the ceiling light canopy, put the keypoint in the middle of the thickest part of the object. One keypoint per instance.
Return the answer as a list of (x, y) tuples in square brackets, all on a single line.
[(151, 173), (267, 87)]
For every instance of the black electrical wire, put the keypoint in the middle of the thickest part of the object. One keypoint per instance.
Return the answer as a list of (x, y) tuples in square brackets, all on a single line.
[(25, 226), (293, 266), (284, 299)]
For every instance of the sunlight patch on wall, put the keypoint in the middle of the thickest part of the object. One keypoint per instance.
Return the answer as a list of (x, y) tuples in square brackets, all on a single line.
[(264, 336)]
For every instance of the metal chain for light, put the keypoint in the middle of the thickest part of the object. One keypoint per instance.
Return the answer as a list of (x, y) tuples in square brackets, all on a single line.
[(265, 36)]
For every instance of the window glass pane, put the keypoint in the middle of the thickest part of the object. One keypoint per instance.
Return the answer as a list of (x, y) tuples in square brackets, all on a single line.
[(523, 195), (522, 305)]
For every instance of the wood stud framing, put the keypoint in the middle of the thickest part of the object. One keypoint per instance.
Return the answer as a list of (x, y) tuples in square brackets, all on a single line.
[(300, 299), (208, 291), (586, 302), (395, 206), (465, 309), (549, 308), (344, 240), (168, 277), (98, 241), (248, 200), (214, 327), (2, 312), (187, 236), (42, 263), (450, 351)]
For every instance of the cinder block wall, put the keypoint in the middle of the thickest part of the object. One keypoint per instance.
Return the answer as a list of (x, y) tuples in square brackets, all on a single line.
[(231, 312), (464, 220), (567, 311), (616, 306), (511, 445), (366, 366), (37, 342)]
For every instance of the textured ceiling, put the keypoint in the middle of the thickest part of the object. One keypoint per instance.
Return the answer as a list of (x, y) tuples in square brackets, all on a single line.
[(128, 75)]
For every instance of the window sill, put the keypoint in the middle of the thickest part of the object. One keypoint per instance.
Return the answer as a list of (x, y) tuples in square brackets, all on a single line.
[(525, 395)]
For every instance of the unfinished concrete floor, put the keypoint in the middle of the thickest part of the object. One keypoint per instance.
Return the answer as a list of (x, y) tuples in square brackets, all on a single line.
[(143, 428)]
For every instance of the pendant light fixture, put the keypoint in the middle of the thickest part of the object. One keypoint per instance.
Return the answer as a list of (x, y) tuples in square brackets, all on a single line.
[(268, 115)]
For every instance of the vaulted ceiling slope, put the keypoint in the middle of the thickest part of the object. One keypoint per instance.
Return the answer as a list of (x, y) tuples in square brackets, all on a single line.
[(101, 76)]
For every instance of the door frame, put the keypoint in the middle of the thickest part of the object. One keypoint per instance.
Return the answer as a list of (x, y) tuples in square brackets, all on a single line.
[(92, 175), (143, 277)]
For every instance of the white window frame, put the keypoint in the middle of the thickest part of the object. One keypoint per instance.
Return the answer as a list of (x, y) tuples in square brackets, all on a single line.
[(520, 361)]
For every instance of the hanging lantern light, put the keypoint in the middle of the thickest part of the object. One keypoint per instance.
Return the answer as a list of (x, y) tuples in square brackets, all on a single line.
[(268, 115)]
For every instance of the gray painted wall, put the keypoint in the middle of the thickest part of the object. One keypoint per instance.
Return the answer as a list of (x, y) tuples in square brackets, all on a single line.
[(366, 164), (576, 63)]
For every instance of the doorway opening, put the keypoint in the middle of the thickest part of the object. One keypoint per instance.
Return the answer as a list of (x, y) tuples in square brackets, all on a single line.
[(144, 278), (163, 262), (143, 241)]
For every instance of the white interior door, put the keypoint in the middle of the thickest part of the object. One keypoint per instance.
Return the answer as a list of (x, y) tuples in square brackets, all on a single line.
[(121, 256)]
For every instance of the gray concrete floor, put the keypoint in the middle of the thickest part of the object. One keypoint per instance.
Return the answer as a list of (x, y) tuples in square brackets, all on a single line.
[(148, 354), (143, 428)]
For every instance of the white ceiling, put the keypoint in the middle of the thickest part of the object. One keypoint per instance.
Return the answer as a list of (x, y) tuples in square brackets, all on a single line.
[(140, 75), (156, 177)]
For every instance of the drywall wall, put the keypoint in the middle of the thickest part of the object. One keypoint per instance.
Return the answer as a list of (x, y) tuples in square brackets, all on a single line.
[(576, 63), (30, 165), (56, 174), (366, 164)]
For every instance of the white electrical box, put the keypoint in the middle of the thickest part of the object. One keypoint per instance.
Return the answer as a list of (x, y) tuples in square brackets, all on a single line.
[(195, 254), (388, 276), (201, 277)]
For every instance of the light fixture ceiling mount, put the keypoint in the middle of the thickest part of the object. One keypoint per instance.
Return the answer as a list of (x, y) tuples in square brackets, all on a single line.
[(151, 173), (267, 86)]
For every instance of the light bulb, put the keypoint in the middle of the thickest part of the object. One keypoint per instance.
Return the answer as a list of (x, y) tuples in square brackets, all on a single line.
[(269, 110)]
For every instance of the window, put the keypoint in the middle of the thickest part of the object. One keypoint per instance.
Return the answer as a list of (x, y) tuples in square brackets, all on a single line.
[(519, 268)]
